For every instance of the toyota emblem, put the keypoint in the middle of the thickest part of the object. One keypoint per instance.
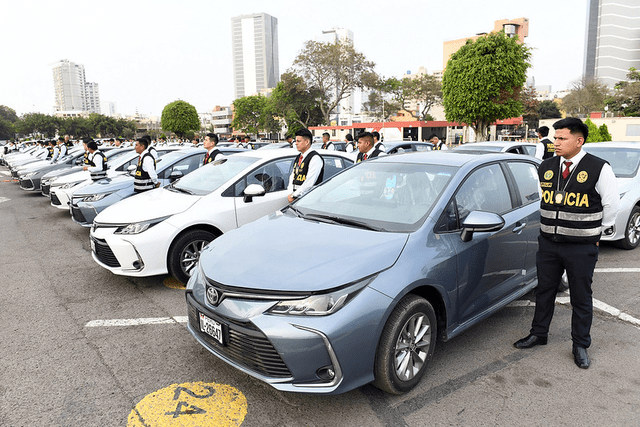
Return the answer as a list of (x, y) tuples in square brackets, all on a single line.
[(213, 296)]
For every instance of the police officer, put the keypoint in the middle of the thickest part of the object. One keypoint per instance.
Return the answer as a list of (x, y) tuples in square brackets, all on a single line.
[(377, 143), (579, 202), (351, 144), (366, 147), (545, 149), (326, 144), (63, 149), (308, 167), (97, 165), (146, 177), (210, 142), (50, 150), (437, 143)]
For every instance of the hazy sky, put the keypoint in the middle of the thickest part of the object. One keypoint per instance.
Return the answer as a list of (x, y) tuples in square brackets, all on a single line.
[(147, 53)]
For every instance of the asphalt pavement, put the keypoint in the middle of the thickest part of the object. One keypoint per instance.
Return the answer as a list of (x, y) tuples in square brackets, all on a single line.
[(83, 347)]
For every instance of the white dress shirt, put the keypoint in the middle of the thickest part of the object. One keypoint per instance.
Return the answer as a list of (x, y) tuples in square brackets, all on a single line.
[(315, 166)]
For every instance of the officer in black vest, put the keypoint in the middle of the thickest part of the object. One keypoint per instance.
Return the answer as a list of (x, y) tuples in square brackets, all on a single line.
[(308, 167), (351, 144), (146, 177), (50, 149), (210, 142), (547, 148), (326, 143), (579, 203), (97, 162), (366, 147), (377, 143)]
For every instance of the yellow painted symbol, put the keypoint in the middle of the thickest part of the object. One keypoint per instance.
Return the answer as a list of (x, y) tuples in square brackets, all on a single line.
[(582, 177), (191, 404), (172, 283), (548, 175)]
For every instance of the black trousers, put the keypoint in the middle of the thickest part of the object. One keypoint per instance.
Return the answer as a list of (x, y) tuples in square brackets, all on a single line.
[(579, 260)]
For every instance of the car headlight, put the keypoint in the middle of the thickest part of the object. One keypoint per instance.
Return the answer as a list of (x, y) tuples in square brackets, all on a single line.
[(139, 227), (95, 197), (29, 175), (321, 304), (69, 185)]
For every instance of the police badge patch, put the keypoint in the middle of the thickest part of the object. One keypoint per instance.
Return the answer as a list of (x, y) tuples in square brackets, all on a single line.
[(582, 177), (548, 175)]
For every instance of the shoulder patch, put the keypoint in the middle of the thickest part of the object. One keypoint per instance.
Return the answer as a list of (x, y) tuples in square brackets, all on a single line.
[(548, 174)]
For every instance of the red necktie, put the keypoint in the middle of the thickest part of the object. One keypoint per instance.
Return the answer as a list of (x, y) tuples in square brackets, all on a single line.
[(364, 157), (565, 172), (300, 161), (206, 157)]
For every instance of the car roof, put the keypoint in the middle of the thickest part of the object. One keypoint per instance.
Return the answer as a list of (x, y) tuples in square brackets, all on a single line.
[(272, 154), (453, 158), (496, 143), (614, 144)]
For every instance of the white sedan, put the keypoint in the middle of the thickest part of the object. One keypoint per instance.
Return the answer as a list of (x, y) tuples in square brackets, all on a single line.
[(163, 231)]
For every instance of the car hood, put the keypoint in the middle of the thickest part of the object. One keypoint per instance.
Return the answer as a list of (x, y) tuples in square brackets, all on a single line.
[(282, 253), (148, 205), (107, 185)]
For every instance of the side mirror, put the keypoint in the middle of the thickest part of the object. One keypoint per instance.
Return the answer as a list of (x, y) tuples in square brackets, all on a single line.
[(479, 221), (131, 170), (253, 190), (175, 175)]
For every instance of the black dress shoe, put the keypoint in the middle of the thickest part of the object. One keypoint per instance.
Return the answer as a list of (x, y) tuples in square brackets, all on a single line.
[(530, 341), (581, 357)]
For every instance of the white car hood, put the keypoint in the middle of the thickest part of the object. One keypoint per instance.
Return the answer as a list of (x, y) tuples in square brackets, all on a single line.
[(145, 206)]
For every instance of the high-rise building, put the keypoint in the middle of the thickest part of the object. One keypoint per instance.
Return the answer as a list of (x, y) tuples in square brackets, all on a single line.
[(254, 40), (612, 40), (73, 93)]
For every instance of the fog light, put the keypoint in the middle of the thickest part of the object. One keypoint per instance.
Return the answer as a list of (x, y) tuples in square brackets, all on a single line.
[(137, 265), (326, 373)]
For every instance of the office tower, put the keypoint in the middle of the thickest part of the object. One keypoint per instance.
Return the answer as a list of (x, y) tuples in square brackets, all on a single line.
[(69, 84), (612, 40), (92, 98), (254, 40)]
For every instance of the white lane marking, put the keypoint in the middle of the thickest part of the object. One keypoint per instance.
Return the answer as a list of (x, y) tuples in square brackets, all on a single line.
[(4, 199), (617, 270), (5, 173), (137, 322)]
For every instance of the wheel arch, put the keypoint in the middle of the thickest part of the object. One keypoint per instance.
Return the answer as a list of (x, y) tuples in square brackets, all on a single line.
[(195, 227), (431, 294)]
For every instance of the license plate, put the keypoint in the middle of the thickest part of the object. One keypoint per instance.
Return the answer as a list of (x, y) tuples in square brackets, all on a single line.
[(211, 328)]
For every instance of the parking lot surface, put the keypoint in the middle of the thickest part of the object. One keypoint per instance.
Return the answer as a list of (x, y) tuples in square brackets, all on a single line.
[(84, 347)]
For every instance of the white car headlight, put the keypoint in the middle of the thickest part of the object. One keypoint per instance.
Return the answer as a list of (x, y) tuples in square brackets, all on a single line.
[(69, 185), (95, 197), (321, 304), (29, 175), (138, 227)]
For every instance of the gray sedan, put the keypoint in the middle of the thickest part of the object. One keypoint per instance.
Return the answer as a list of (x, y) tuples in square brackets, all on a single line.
[(357, 280)]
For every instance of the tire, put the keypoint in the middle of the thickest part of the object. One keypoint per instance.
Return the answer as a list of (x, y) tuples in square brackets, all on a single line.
[(185, 253), (399, 350), (632, 231)]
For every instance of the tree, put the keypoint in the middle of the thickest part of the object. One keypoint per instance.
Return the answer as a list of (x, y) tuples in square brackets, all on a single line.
[(626, 98), (251, 114), (180, 117), (295, 103), (38, 124), (425, 90), (584, 97), (335, 69), (530, 104), (549, 110), (7, 130), (8, 114), (380, 106), (594, 132), (604, 133), (483, 80)]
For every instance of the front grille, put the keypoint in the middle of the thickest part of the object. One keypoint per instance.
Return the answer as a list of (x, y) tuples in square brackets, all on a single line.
[(104, 253), (55, 200), (247, 345), (77, 214), (46, 189), (26, 184)]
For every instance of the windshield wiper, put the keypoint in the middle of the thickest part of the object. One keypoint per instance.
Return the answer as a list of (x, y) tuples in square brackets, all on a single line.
[(181, 190), (344, 221), (295, 211)]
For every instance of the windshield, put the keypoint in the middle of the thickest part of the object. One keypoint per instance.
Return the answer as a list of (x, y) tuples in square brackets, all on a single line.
[(384, 196), (623, 161), (209, 178)]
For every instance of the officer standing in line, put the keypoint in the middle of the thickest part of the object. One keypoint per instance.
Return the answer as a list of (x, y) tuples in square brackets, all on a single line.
[(366, 147), (308, 166), (544, 148), (437, 143), (377, 143), (50, 149), (62, 147), (97, 162), (146, 177), (351, 144), (210, 142), (579, 203), (326, 144)]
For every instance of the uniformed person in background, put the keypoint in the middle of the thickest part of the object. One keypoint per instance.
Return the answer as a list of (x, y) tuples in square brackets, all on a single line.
[(97, 162), (366, 147), (308, 166), (50, 149), (210, 142), (377, 143), (290, 140), (62, 147), (579, 203), (437, 143), (544, 148), (351, 144), (146, 177), (67, 142), (326, 143)]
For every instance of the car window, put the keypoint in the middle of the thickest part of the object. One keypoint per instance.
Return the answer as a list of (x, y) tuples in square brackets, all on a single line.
[(625, 162), (484, 190), (516, 150), (526, 177), (530, 149), (185, 166), (333, 165), (273, 176), (421, 147)]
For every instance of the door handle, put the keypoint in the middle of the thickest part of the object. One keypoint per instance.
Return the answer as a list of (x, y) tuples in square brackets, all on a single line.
[(519, 227)]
